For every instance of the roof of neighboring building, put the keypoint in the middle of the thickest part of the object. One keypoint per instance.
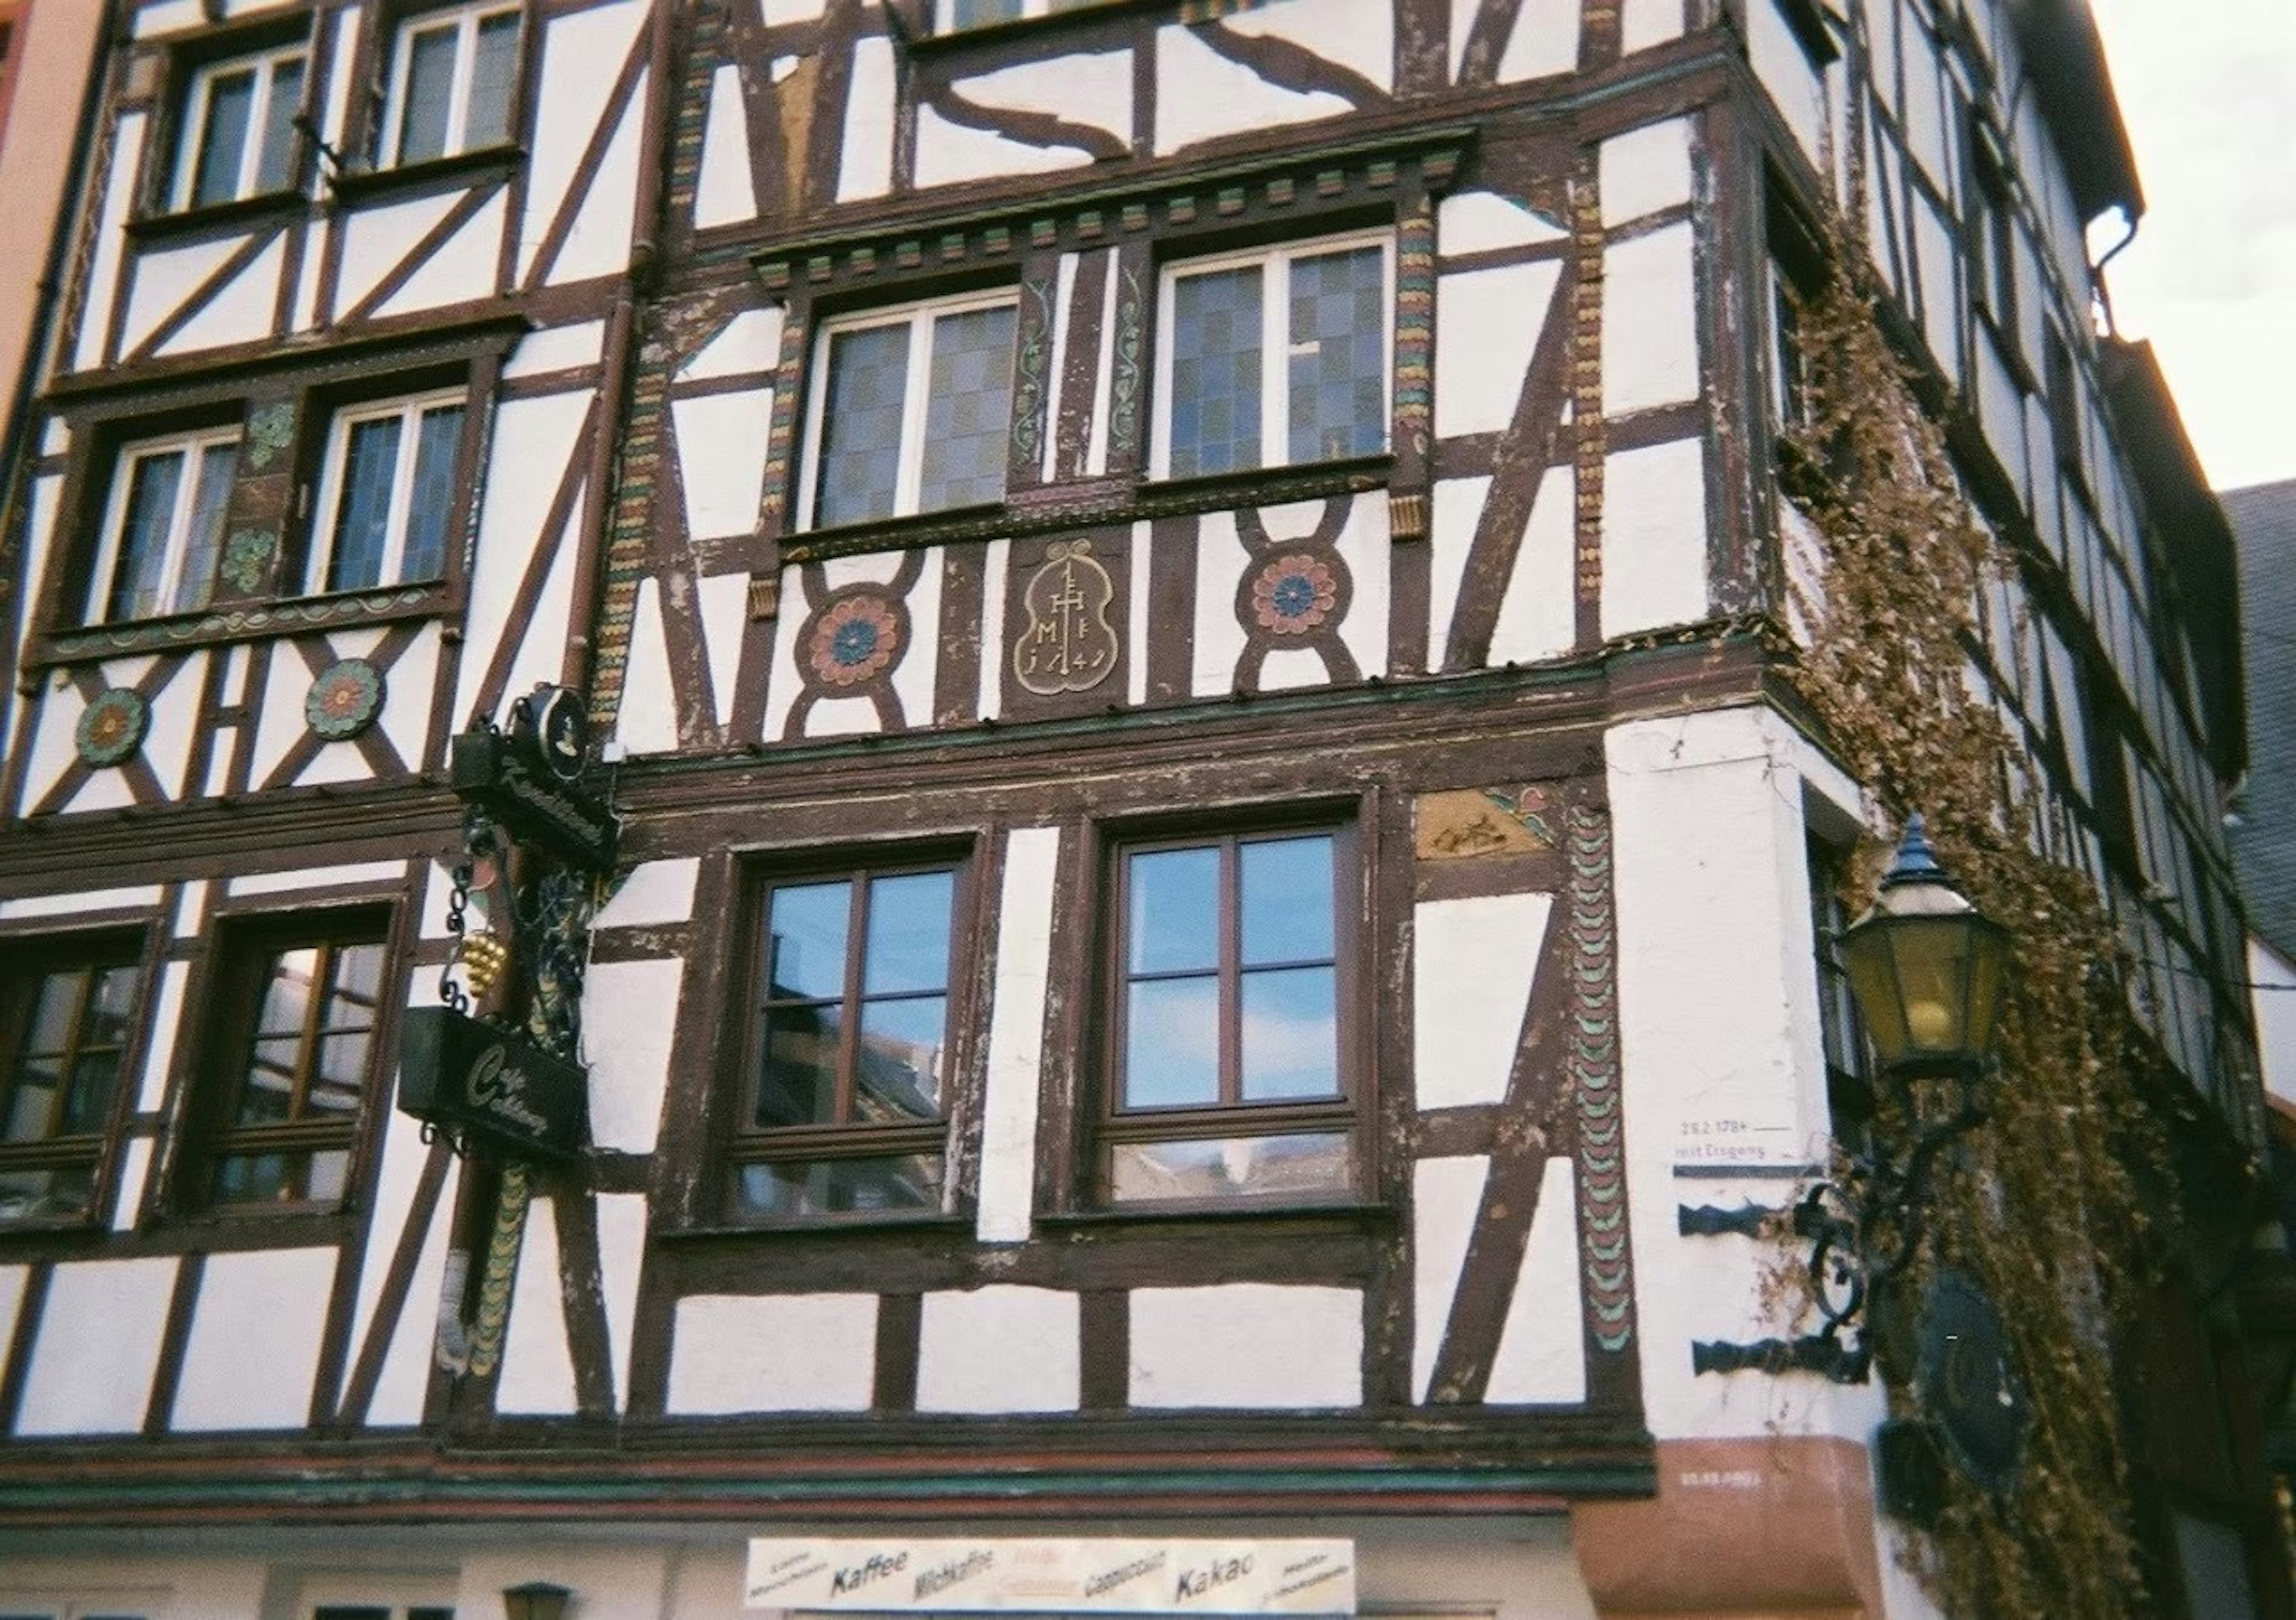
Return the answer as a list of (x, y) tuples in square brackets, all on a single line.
[(2264, 836)]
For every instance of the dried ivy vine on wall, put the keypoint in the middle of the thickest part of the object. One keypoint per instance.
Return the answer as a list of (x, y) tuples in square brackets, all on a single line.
[(2047, 1204)]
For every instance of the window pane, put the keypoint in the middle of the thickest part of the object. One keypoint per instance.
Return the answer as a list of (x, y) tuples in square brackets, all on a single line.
[(806, 928), (115, 1000), (144, 535), (1216, 358), (324, 1173), (897, 1068), (488, 122), (223, 137), (1287, 900), (268, 1095), (33, 1101), (1171, 1043), (859, 469), (203, 543), (972, 13), (1339, 355), (1313, 1163), (87, 1105), (287, 992), (363, 513), (430, 501), (429, 92), (358, 985), (1290, 1034), (252, 1178), (26, 1194), (968, 409), (276, 168), (338, 1076), (839, 1187), (908, 933), (797, 1083), (50, 1030), (1173, 910)]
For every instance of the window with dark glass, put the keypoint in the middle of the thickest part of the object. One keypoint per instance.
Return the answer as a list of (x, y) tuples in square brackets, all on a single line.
[(1837, 1009), (979, 13), (845, 1063), (66, 1022), (290, 1066), (163, 526), (387, 493), (1278, 358), (238, 137), (1228, 1065), (1992, 228), (452, 74), (911, 412)]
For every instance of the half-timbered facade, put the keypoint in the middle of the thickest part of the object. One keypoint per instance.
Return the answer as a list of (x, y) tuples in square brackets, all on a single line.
[(1174, 596)]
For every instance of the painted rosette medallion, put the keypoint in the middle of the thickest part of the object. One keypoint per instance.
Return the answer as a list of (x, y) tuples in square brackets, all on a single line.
[(113, 727), (854, 638), (344, 700), (1295, 594)]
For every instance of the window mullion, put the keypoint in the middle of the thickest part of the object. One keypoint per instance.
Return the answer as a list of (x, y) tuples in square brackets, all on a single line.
[(848, 1032), (1275, 363), (1230, 978), (250, 139), (67, 1056), (314, 1018), (177, 540), (394, 103), (402, 495), (909, 484), (458, 95)]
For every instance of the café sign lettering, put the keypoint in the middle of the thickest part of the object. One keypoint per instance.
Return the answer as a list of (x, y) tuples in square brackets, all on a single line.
[(1048, 1576), (474, 1080)]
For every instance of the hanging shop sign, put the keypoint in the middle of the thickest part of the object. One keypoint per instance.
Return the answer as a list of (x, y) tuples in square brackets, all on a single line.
[(1062, 1577), (529, 778), (1968, 1383), (472, 1079)]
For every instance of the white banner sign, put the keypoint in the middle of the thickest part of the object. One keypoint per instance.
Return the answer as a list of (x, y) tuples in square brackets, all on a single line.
[(1054, 1576)]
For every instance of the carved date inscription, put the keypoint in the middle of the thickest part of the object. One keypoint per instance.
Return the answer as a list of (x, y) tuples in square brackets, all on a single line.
[(1068, 644)]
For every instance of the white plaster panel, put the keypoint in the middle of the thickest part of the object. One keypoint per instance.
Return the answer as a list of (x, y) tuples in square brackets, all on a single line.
[(168, 17), (1648, 22), (950, 153), (1475, 961), (39, 532), (97, 1346), (166, 1013), (55, 440), (750, 343), (397, 1177), (1287, 669), (783, 681), (1645, 170), (866, 160), (1650, 322), (1473, 222), (1104, 384), (406, 717), (881, 569), (656, 891), (721, 460), (406, 1378), (1247, 1344), (1136, 629), (160, 281), (1462, 23), (1486, 322), (1220, 559), (375, 239), (621, 1255), (12, 1299), (629, 1058), (240, 312), (71, 902), (54, 753), (1445, 1196), (1654, 537), (263, 1309), (533, 441), (843, 717), (557, 349), (722, 602), (997, 561), (1363, 545), (1542, 1355), (1453, 514), (582, 54), (319, 877), (1785, 71), (1933, 253), (103, 273), (917, 659), (599, 242), (1544, 40), (773, 1353), (1357, 35), (1089, 88), (1538, 614), (1202, 95), (998, 1349), (647, 720), (1923, 114), (460, 270), (726, 190), (538, 1368), (1016, 1035), (1064, 283), (781, 14), (135, 1166)]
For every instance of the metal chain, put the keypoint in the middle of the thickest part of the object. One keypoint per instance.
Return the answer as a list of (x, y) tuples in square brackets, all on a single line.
[(475, 830)]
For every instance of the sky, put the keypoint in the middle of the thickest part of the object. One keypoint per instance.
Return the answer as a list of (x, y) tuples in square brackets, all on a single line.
[(2208, 90)]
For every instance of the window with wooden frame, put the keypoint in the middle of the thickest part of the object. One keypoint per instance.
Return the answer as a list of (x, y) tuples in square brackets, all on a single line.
[(450, 83), (387, 505), (1231, 1055), (235, 133), (910, 410), (846, 1032), (288, 1064), (66, 1020), (1992, 230), (952, 15), (1274, 357), (1843, 1036), (163, 523)]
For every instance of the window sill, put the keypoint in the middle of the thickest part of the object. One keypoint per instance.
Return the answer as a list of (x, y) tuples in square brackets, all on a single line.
[(1336, 1214), (820, 1229), (361, 185), (264, 207), (936, 39), (248, 621)]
